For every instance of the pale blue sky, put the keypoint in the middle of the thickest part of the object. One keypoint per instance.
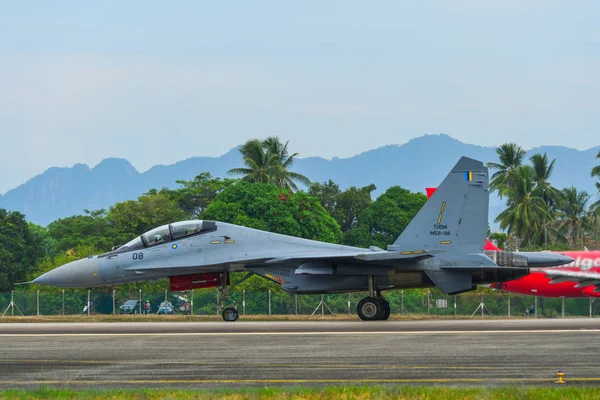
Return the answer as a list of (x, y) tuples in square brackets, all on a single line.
[(155, 82)]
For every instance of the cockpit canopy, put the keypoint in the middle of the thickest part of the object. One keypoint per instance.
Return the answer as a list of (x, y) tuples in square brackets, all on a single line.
[(167, 233)]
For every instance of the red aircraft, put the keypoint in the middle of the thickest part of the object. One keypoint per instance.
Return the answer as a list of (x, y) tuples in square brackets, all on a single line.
[(580, 278)]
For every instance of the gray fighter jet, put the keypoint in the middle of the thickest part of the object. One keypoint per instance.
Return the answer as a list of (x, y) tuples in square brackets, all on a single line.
[(441, 247)]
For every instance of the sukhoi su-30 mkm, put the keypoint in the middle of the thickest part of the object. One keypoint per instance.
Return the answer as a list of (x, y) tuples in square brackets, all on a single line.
[(441, 247)]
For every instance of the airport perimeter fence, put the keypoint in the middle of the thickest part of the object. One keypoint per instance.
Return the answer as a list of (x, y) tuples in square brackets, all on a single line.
[(205, 302)]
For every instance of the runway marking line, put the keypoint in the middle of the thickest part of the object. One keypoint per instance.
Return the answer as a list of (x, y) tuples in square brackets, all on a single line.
[(263, 365), (293, 381), (311, 333)]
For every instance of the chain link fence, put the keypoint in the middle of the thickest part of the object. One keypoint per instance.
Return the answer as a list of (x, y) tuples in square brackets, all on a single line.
[(205, 302)]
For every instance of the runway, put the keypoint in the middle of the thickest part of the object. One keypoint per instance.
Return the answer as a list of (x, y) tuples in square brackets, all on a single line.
[(207, 354)]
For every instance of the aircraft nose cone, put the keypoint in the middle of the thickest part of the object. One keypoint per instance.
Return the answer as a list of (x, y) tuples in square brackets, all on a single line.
[(80, 273)]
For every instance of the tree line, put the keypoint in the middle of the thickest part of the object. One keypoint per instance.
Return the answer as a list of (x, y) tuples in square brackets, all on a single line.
[(266, 196), (537, 214)]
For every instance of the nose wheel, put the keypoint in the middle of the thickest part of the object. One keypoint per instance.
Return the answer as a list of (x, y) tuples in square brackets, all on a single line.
[(230, 314), (373, 309)]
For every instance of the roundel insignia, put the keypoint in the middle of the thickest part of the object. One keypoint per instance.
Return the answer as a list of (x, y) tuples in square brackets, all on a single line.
[(174, 246)]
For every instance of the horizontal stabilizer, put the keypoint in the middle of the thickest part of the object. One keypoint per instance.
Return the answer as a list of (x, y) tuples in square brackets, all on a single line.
[(451, 282)]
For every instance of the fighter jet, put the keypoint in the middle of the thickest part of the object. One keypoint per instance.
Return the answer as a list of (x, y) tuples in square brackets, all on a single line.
[(441, 247)]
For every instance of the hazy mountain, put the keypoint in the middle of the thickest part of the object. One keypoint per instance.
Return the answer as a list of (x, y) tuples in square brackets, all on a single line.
[(424, 161)]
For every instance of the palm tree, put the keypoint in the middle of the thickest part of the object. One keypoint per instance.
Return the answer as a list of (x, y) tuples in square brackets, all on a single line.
[(268, 161), (572, 210), (510, 156), (280, 174), (543, 188), (526, 211), (596, 173), (256, 161)]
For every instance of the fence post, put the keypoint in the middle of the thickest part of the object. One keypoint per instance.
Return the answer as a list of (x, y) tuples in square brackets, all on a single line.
[(348, 305), (322, 305), (12, 302), (402, 302), (591, 307), (192, 304), (428, 303), (269, 301), (296, 303), (563, 307), (38, 302), (63, 302), (88, 304), (113, 301), (535, 312), (508, 304), (244, 302), (482, 305), (140, 303), (455, 305)]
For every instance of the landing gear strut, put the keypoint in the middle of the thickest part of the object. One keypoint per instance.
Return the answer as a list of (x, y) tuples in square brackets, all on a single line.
[(374, 307), (229, 314)]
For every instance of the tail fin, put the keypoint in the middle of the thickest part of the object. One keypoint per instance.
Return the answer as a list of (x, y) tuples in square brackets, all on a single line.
[(455, 218), (489, 245)]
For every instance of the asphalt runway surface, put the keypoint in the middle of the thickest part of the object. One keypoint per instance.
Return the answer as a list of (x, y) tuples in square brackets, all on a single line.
[(219, 354)]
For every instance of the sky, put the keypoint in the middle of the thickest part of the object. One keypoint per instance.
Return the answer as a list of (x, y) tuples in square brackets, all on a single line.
[(156, 82)]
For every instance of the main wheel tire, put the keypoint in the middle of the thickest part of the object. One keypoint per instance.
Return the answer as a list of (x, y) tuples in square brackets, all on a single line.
[(230, 314), (369, 309), (386, 311)]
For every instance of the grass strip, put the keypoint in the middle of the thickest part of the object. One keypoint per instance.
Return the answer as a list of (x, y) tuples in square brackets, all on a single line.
[(323, 393), (217, 318)]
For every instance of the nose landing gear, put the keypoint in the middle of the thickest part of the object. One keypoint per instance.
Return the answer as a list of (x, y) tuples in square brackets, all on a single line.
[(230, 314)]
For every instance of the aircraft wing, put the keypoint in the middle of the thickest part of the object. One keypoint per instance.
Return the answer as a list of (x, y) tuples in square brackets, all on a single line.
[(366, 257), (382, 257), (583, 279)]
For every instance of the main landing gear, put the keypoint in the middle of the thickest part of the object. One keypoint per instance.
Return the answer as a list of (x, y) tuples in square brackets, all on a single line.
[(374, 307)]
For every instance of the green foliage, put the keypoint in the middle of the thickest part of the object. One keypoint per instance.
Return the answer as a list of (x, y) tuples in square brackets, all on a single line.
[(572, 210), (195, 195), (331, 392), (90, 230), (526, 210), (382, 222), (19, 249), (134, 217), (511, 156), (326, 193), (47, 243), (268, 161), (265, 207), (345, 206), (499, 238), (596, 174)]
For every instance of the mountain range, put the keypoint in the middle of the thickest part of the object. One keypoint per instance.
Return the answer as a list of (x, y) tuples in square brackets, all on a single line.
[(419, 163)]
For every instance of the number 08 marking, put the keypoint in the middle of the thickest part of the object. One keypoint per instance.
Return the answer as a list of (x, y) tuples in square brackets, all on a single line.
[(138, 256)]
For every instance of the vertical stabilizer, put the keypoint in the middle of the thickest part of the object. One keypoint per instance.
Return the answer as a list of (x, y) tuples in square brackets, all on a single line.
[(455, 218)]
